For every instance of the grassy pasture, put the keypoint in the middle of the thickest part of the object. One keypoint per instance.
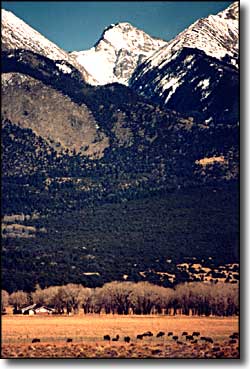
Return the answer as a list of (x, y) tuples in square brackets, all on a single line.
[(87, 336)]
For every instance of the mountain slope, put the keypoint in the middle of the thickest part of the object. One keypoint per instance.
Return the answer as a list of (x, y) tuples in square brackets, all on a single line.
[(121, 48), (216, 35), (112, 183), (201, 62), (64, 124), (16, 34), (137, 146), (36, 95)]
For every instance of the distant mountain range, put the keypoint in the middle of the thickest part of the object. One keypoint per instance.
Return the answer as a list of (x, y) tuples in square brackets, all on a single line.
[(177, 122), (123, 47), (132, 118)]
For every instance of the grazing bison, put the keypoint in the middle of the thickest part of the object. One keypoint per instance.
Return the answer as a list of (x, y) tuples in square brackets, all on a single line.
[(148, 334), (207, 339), (106, 337), (170, 334), (139, 336), (69, 340), (127, 339), (189, 338), (36, 340), (197, 334), (184, 333), (232, 342), (160, 334), (116, 338), (194, 341), (175, 338), (234, 336), (210, 340)]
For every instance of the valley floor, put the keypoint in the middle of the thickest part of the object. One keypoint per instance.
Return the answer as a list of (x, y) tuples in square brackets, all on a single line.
[(87, 331)]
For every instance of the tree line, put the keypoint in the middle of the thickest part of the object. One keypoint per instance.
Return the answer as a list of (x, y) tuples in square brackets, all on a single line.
[(195, 298)]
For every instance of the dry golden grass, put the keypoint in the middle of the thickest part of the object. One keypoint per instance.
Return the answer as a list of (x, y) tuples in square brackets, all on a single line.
[(87, 333)]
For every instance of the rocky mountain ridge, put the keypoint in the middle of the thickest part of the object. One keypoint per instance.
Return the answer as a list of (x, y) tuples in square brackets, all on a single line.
[(16, 34), (110, 142), (120, 49), (198, 65)]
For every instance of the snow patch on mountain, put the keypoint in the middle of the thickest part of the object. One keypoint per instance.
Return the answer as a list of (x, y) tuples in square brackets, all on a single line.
[(172, 84), (64, 68), (98, 64), (203, 83)]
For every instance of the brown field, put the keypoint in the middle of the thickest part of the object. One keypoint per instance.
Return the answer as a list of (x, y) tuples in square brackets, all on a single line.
[(87, 333)]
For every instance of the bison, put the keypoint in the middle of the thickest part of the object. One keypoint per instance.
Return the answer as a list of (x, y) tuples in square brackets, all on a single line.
[(160, 334), (234, 336), (139, 336), (207, 339), (148, 334), (210, 340), (36, 340), (197, 334)]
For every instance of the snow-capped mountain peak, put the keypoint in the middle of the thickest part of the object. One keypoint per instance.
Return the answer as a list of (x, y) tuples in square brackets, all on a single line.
[(125, 36), (232, 12), (120, 49), (16, 34), (190, 71), (216, 35)]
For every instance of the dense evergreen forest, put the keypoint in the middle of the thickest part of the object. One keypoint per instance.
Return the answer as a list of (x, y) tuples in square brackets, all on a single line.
[(104, 242)]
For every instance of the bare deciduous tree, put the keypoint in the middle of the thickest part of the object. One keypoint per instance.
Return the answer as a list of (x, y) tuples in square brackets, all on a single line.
[(196, 298), (18, 300), (75, 295), (4, 300)]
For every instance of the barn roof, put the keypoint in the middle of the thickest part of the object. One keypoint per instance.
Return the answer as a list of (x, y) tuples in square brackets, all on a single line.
[(30, 307), (35, 307)]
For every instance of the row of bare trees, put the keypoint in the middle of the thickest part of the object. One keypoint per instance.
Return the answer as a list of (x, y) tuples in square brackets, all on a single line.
[(195, 298)]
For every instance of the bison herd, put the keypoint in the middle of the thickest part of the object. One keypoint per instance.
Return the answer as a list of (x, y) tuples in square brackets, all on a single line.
[(193, 338), (158, 344), (158, 335)]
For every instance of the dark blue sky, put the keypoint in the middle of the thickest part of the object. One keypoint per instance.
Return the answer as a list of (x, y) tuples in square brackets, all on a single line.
[(78, 25)]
